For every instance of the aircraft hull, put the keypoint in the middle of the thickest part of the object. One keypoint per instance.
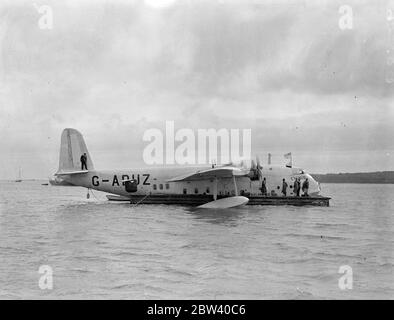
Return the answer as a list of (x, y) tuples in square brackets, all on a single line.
[(196, 200)]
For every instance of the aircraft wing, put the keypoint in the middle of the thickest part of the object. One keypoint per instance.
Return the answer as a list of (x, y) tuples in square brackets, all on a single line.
[(220, 173)]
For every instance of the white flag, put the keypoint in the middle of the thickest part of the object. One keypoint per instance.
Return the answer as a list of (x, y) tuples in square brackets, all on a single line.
[(290, 160)]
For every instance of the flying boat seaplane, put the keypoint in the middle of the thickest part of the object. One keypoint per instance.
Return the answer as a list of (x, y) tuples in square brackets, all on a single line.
[(221, 186)]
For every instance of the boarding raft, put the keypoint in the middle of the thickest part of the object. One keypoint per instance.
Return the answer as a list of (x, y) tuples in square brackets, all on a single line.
[(197, 199)]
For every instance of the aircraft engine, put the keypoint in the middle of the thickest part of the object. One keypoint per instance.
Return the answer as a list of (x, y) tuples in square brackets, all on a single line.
[(131, 185)]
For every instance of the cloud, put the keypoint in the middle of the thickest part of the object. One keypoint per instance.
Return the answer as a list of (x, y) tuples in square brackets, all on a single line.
[(113, 70)]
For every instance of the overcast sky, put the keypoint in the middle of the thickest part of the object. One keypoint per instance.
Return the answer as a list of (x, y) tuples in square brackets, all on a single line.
[(113, 69)]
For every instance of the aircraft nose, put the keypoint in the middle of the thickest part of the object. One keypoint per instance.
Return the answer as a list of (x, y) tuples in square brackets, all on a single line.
[(314, 186)]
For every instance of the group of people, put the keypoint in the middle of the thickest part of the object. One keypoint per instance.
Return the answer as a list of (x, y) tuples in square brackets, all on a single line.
[(296, 187)]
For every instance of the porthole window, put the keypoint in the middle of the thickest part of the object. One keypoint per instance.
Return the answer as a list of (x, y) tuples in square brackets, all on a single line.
[(161, 186), (167, 186), (207, 191), (154, 187)]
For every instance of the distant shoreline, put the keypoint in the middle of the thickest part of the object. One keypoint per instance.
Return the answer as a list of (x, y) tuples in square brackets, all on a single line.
[(378, 177)]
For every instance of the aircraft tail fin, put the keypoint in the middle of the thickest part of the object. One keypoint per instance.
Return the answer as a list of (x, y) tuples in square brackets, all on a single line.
[(72, 146)]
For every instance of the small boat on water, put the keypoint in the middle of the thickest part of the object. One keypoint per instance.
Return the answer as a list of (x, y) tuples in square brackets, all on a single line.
[(19, 176)]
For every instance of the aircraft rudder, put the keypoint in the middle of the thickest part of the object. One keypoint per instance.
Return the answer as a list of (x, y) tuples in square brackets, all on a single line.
[(72, 146)]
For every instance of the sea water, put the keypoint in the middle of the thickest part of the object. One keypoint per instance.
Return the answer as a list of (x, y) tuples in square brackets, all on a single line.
[(96, 249)]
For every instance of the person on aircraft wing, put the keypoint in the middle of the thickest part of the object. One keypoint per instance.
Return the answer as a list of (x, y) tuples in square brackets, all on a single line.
[(84, 158), (298, 186), (264, 187), (284, 187), (305, 187)]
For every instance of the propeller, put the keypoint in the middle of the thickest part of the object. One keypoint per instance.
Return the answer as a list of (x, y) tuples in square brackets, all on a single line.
[(255, 169), (258, 162), (259, 167), (253, 165)]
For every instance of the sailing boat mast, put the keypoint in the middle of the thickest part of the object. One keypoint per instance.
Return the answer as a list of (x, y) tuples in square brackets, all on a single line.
[(20, 175)]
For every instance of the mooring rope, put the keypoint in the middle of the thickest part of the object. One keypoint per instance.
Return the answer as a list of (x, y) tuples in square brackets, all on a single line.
[(91, 191), (139, 202)]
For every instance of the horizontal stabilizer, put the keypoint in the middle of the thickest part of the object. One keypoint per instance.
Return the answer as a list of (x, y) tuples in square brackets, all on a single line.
[(66, 173)]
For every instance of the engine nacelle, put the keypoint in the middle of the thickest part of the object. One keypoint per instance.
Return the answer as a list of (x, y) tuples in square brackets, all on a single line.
[(131, 185)]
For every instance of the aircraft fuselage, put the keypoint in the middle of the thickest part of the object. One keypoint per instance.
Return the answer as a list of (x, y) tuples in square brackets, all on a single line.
[(157, 181)]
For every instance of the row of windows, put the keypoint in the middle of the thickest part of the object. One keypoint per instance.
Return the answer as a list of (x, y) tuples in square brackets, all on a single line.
[(207, 191), (167, 186), (161, 187)]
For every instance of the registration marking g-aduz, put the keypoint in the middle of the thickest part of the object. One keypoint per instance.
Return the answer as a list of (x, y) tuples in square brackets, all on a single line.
[(115, 181)]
